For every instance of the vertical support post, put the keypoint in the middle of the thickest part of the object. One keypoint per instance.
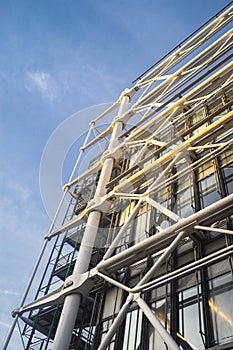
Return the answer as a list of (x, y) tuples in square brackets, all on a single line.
[(72, 302), (172, 345), (11, 330), (12, 327)]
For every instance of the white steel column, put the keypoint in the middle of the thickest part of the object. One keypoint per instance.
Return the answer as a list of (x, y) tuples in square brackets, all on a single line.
[(72, 302)]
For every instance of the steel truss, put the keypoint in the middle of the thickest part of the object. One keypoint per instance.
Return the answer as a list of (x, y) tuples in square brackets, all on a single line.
[(164, 146)]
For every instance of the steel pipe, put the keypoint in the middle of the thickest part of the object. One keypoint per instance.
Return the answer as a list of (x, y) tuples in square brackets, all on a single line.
[(72, 302), (185, 270), (161, 259), (207, 215)]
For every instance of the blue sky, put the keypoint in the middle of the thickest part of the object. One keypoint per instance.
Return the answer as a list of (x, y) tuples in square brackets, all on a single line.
[(58, 57)]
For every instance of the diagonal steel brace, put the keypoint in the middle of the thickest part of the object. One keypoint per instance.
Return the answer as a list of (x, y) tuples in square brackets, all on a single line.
[(79, 284)]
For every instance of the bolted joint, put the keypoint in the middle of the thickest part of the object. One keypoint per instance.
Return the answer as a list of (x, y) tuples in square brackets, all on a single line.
[(124, 118), (92, 123), (128, 92), (47, 237), (114, 153), (130, 298), (68, 283), (79, 284), (66, 187), (134, 296), (14, 313), (98, 204)]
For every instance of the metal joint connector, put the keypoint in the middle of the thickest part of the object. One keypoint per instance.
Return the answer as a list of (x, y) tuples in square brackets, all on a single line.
[(68, 283), (124, 118), (128, 92), (114, 154), (98, 204), (134, 296), (187, 229), (92, 123), (14, 313), (66, 187)]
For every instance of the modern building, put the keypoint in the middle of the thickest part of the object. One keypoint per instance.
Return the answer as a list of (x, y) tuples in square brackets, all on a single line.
[(143, 258)]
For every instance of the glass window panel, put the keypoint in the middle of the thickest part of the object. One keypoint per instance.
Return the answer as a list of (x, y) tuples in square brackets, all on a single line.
[(226, 157), (127, 331), (133, 327), (183, 203), (196, 117), (189, 317), (112, 302), (215, 102), (125, 240), (219, 268), (139, 328), (187, 281), (105, 326), (125, 213), (141, 225), (159, 308), (160, 220), (206, 168), (160, 291), (155, 341), (221, 307), (228, 176), (208, 190)]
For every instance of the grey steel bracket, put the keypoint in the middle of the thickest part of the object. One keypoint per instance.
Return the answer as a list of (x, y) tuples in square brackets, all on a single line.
[(77, 284), (114, 153), (98, 204), (128, 92), (134, 296), (124, 118)]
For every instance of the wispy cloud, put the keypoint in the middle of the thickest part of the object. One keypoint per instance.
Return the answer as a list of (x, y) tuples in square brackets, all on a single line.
[(4, 324), (21, 192), (44, 82), (8, 292)]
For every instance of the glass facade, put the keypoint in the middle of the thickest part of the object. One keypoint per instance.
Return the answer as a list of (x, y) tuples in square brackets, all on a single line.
[(161, 272)]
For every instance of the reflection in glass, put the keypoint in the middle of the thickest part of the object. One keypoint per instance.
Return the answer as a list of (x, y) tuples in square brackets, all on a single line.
[(133, 326), (189, 316), (221, 307), (208, 190), (163, 315)]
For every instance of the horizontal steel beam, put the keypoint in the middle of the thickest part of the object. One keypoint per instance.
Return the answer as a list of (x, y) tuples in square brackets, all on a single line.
[(206, 216)]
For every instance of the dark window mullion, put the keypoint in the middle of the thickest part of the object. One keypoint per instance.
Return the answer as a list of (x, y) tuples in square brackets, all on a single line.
[(208, 325)]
